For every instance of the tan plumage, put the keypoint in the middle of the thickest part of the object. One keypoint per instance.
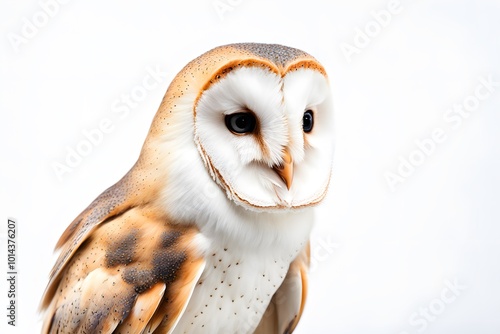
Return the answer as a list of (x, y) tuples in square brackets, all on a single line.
[(124, 272), (129, 263)]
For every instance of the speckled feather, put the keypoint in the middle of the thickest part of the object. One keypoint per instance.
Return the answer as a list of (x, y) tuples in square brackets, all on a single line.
[(128, 266)]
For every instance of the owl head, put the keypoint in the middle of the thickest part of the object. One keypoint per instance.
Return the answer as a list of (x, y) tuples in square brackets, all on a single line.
[(259, 118)]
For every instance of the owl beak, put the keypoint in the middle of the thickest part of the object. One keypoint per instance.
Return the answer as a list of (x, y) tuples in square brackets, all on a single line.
[(285, 170)]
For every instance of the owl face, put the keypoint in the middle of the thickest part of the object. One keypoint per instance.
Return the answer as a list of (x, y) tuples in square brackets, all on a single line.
[(266, 137)]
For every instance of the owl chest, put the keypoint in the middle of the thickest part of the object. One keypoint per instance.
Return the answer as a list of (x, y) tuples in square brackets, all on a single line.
[(233, 292)]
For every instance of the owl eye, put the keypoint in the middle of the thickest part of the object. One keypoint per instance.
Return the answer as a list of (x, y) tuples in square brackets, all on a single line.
[(242, 122), (307, 121)]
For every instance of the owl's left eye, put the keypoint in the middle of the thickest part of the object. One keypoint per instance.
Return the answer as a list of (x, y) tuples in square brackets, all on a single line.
[(308, 121), (240, 123)]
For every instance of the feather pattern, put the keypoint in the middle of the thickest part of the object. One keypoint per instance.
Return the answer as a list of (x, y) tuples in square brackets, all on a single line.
[(286, 306), (126, 271)]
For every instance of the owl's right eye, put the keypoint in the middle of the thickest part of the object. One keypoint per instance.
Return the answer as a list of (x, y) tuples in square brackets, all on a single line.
[(240, 123)]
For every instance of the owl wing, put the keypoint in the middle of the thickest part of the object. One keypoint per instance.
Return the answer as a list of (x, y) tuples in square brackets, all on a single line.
[(286, 306), (130, 273)]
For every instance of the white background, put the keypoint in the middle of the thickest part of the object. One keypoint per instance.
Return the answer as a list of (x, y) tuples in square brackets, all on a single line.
[(379, 255)]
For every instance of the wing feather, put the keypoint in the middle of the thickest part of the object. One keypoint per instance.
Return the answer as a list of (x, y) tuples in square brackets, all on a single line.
[(142, 312), (134, 273), (286, 306), (111, 203)]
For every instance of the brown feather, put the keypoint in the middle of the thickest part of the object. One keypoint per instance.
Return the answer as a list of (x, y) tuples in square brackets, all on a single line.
[(132, 270), (142, 312)]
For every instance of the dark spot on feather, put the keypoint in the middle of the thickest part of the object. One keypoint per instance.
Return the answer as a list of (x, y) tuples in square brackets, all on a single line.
[(122, 251), (126, 305), (95, 321), (165, 265), (169, 238), (140, 279)]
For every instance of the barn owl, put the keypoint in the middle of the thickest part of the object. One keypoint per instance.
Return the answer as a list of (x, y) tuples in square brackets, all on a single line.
[(209, 231)]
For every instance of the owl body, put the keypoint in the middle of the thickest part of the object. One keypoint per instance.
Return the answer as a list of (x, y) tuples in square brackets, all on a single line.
[(208, 232), (239, 280)]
